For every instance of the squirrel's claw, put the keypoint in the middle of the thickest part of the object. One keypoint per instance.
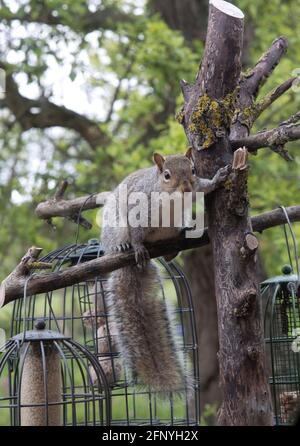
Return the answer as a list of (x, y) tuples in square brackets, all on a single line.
[(142, 256), (123, 247)]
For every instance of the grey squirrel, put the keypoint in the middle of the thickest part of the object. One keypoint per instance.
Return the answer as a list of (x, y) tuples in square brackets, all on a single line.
[(144, 329)]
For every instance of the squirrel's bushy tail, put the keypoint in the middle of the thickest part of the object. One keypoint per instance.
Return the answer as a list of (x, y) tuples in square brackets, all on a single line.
[(145, 335)]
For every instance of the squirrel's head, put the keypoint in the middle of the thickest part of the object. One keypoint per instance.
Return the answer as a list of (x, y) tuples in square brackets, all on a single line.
[(176, 172)]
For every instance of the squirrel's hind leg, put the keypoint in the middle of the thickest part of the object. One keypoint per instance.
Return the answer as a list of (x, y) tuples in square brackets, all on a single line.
[(140, 252), (142, 256)]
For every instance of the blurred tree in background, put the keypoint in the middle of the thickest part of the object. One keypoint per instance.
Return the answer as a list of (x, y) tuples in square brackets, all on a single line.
[(92, 89)]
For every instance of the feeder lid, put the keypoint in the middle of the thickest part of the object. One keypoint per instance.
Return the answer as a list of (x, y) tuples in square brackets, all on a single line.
[(285, 278), (40, 334), (91, 250)]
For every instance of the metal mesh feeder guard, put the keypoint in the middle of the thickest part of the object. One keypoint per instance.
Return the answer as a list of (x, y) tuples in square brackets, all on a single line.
[(81, 312), (282, 336), (46, 380)]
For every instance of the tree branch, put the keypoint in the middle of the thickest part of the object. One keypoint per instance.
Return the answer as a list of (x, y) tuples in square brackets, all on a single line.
[(42, 113), (274, 218), (12, 287), (272, 96), (71, 209), (10, 291), (275, 139), (256, 78), (292, 120), (251, 82), (249, 115)]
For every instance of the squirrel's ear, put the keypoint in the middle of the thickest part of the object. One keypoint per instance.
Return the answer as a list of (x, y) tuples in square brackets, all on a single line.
[(159, 161), (189, 153)]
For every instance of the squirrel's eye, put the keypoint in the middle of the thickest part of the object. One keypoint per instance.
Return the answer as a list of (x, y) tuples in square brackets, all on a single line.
[(167, 175), (193, 171)]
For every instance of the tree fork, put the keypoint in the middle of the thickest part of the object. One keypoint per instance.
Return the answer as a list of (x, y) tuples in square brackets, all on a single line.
[(246, 395)]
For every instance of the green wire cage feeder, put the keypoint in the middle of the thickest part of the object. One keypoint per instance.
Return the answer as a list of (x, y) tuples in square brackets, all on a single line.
[(281, 300), (80, 314), (48, 379)]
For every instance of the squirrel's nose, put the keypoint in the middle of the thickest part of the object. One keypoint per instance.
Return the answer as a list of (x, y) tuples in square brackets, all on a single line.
[(186, 186)]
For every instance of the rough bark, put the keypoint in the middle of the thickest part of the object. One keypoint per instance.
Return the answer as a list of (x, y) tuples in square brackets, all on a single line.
[(245, 391)]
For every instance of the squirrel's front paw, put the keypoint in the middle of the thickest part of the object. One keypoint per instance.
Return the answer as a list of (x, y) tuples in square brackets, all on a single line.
[(141, 256), (223, 173)]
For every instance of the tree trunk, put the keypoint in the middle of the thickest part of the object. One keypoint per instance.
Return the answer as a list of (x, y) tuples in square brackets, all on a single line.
[(190, 17), (203, 290), (205, 117)]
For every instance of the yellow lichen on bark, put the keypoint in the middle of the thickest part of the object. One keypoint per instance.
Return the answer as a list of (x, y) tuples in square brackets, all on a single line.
[(211, 118)]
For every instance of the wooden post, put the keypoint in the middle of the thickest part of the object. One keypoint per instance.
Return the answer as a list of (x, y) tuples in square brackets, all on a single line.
[(206, 117)]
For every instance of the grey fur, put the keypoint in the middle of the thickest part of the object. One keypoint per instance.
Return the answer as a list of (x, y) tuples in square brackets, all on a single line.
[(145, 336)]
